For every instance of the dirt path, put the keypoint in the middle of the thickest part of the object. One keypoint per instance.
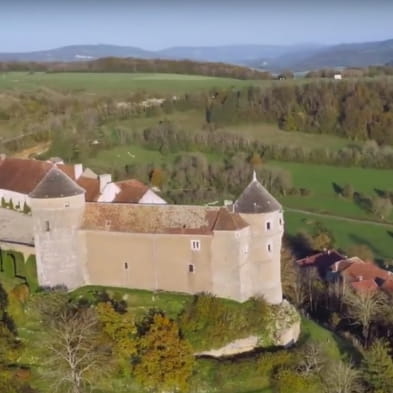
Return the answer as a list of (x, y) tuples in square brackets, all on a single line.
[(339, 218), (39, 148)]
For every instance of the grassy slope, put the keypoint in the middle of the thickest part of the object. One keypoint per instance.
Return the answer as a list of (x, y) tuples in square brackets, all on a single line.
[(378, 238), (320, 178), (229, 377), (116, 82)]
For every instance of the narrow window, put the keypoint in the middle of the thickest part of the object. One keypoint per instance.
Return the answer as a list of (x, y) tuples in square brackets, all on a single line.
[(268, 225), (195, 245), (47, 226), (125, 266), (191, 268), (67, 204), (280, 221), (245, 250), (269, 247)]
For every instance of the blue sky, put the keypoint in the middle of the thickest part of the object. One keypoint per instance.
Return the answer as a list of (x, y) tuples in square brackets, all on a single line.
[(27, 25)]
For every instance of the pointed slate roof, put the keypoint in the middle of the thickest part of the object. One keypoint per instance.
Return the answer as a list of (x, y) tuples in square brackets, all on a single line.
[(56, 184), (256, 199)]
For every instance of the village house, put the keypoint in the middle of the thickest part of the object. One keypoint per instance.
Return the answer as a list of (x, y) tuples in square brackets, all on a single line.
[(353, 272)]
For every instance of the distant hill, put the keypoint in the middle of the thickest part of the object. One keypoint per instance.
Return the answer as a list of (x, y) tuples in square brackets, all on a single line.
[(269, 57), (235, 54), (346, 55)]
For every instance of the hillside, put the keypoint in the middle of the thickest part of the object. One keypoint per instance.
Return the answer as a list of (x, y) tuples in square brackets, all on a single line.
[(345, 55), (270, 57), (237, 54)]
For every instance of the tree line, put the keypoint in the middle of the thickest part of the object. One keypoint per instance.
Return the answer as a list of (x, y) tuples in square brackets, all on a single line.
[(133, 65), (357, 110)]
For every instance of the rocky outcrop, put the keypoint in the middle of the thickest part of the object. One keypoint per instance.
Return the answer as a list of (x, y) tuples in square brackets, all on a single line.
[(282, 330)]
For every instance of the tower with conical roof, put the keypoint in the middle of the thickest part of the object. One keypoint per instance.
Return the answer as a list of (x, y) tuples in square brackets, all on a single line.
[(57, 206), (261, 274)]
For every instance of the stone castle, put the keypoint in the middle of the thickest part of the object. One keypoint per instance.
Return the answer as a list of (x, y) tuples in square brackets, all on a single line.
[(117, 238)]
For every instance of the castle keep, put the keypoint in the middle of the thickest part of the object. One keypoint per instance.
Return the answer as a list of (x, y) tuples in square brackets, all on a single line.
[(232, 252)]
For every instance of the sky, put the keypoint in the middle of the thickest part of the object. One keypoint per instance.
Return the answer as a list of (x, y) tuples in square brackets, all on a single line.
[(27, 25)]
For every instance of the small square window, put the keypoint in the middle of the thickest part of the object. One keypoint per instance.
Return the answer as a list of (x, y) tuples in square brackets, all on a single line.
[(195, 245), (67, 204), (191, 268)]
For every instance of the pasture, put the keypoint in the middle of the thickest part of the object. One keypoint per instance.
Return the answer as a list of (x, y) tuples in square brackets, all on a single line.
[(118, 82), (325, 182), (377, 237)]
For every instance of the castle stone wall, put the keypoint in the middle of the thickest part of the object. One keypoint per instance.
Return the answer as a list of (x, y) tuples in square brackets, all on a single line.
[(264, 263), (229, 253), (148, 261), (56, 223)]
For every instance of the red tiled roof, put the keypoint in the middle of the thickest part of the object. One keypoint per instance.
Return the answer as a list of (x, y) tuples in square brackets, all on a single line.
[(325, 258), (23, 175), (388, 285), (92, 187), (131, 191), (365, 286), (365, 271), (227, 221)]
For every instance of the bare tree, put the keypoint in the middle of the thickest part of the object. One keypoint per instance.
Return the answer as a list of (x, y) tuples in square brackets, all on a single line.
[(312, 359), (73, 351), (364, 308), (341, 377)]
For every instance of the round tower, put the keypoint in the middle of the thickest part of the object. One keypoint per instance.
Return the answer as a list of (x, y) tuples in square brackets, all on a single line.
[(261, 276), (57, 207)]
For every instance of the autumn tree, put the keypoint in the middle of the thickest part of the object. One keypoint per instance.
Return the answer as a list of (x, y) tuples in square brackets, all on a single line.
[(381, 207), (362, 251), (121, 330), (164, 361)]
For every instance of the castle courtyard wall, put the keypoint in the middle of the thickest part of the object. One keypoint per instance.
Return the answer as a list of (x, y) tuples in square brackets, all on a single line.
[(148, 261)]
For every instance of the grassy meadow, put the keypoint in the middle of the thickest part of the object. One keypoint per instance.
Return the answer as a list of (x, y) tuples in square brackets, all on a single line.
[(324, 182), (117, 82), (346, 233)]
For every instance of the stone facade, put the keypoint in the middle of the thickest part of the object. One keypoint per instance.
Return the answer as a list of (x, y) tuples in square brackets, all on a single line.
[(232, 251)]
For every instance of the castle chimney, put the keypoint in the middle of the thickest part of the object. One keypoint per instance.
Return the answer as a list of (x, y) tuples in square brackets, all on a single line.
[(78, 170), (104, 180)]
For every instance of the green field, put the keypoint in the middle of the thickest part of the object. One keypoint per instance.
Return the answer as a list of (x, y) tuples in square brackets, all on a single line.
[(321, 180), (117, 82), (378, 237)]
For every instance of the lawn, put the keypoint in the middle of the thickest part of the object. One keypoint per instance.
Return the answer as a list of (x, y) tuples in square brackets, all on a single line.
[(271, 134), (378, 238), (322, 180)]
